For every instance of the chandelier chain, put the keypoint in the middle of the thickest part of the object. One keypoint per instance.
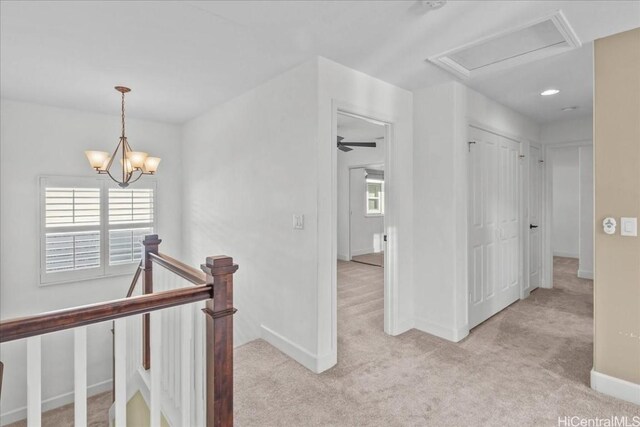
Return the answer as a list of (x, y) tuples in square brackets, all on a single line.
[(122, 115)]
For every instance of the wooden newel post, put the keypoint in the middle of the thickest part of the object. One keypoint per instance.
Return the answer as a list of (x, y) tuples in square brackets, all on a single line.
[(151, 243), (219, 331)]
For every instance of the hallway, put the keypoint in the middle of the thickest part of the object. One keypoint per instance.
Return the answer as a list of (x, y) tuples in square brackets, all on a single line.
[(530, 364), (417, 379)]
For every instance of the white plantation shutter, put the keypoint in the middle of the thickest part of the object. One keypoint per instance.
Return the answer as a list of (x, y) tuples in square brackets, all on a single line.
[(72, 251), (133, 206), (71, 219), (130, 219), (125, 245), (72, 206), (90, 230)]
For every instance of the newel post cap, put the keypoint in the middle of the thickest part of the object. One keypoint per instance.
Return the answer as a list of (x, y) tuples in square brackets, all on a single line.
[(151, 240), (219, 265)]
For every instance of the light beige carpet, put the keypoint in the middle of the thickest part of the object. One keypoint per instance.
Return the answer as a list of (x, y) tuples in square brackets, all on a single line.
[(526, 366), (97, 413), (376, 259)]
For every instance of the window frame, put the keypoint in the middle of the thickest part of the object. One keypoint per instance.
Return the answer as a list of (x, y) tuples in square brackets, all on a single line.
[(367, 198), (105, 270)]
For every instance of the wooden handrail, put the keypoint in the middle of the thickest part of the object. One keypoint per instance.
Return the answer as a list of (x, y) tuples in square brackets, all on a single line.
[(197, 277), (29, 326), (214, 284)]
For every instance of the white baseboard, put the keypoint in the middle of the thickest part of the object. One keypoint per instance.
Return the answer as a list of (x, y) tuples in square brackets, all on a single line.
[(565, 254), (304, 357), (402, 327), (615, 387), (449, 334), (53, 402), (584, 274), (343, 257), (357, 252)]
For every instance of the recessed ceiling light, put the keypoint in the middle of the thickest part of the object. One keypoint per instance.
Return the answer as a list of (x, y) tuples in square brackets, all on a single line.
[(549, 92), (572, 108), (434, 4)]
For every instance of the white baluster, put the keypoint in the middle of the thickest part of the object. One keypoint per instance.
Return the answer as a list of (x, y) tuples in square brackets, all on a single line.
[(34, 381), (156, 366), (80, 376), (120, 375), (185, 364)]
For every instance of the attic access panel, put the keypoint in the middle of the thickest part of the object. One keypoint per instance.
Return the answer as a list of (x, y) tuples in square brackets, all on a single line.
[(536, 40)]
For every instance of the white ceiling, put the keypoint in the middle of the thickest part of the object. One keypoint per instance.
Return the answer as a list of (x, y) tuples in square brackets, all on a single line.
[(520, 87), (356, 129), (182, 58)]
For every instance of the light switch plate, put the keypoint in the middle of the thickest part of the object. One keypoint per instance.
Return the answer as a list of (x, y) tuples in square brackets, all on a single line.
[(298, 222), (629, 227)]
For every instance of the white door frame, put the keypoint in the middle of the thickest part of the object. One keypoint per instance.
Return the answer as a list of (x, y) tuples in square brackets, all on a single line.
[(542, 219), (547, 242), (390, 218)]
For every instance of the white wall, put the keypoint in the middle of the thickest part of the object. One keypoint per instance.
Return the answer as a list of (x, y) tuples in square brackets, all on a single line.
[(249, 166), (357, 157), (585, 253), (567, 130), (566, 202), (441, 117), (38, 140), (253, 162)]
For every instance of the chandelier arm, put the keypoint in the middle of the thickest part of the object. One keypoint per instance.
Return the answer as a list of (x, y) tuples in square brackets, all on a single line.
[(139, 176), (114, 180), (113, 156)]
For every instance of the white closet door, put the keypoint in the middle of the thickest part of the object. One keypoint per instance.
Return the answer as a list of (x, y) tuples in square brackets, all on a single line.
[(494, 226), (535, 215)]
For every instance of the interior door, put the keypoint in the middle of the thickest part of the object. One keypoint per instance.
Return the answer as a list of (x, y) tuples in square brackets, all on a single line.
[(494, 224), (535, 215)]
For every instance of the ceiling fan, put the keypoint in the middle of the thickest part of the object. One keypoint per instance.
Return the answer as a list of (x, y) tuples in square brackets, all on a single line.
[(344, 146)]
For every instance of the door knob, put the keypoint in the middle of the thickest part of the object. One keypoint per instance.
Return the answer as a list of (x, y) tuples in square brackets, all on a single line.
[(531, 226)]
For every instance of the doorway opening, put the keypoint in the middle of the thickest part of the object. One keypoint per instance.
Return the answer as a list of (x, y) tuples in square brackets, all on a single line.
[(361, 147), (530, 203)]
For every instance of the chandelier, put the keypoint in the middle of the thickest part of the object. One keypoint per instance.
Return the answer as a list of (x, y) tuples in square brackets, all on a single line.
[(134, 164)]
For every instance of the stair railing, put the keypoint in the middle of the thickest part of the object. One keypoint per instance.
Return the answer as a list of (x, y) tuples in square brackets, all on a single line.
[(214, 285)]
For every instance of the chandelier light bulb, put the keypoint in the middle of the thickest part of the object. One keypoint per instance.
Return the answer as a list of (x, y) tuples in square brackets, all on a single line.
[(151, 164), (137, 158), (96, 158), (105, 164)]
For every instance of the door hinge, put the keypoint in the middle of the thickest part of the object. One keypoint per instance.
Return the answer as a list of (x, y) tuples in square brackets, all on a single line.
[(385, 238)]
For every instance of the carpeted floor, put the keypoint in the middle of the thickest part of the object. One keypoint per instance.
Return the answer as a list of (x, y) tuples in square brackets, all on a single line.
[(376, 259), (97, 413), (526, 366)]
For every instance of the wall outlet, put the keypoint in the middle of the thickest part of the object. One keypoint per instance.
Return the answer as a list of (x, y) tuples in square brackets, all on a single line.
[(298, 221)]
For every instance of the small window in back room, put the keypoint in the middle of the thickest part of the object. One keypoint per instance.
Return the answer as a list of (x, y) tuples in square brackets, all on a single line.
[(374, 192)]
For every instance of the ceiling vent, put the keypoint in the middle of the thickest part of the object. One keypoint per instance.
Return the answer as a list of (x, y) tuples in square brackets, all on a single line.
[(536, 40)]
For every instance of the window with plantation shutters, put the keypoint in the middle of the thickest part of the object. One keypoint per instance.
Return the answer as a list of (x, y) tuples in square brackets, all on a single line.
[(72, 228), (90, 229)]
